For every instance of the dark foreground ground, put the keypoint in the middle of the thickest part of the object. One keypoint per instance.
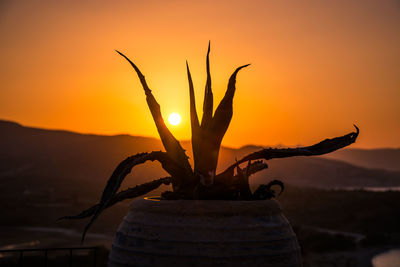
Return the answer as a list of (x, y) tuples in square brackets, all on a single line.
[(343, 228), (334, 228)]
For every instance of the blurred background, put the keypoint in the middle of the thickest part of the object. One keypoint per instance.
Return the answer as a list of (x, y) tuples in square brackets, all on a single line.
[(71, 109)]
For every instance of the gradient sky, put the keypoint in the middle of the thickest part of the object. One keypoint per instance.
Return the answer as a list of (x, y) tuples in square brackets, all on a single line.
[(317, 66)]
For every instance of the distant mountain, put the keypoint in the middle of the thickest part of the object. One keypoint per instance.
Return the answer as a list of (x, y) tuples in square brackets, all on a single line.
[(64, 162), (384, 158), (35, 157)]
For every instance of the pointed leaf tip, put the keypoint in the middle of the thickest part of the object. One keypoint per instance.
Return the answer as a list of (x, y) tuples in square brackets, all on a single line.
[(357, 129), (243, 66), (233, 76)]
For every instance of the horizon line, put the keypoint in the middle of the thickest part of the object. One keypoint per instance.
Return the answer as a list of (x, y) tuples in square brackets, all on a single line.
[(158, 139)]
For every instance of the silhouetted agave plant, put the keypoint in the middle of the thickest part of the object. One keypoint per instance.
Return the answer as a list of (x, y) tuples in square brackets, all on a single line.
[(201, 182)]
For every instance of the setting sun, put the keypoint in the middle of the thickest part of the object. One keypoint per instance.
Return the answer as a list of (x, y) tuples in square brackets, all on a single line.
[(174, 119)]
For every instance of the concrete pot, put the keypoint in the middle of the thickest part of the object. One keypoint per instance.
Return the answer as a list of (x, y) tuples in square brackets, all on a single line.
[(204, 233)]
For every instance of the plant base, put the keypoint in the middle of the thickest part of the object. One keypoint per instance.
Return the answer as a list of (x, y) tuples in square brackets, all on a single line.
[(204, 233)]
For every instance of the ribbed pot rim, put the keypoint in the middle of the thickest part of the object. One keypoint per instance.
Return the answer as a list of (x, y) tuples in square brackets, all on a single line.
[(206, 207)]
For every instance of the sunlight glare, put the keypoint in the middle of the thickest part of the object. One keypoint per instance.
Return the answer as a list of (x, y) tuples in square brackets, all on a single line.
[(174, 119)]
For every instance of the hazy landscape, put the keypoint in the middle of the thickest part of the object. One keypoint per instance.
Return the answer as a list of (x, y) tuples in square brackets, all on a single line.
[(86, 84), (46, 174)]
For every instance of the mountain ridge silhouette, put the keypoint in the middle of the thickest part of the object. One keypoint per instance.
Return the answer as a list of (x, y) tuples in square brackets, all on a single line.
[(33, 157)]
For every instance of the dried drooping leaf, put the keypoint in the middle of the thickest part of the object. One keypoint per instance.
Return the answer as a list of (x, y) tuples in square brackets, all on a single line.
[(323, 147), (129, 193), (123, 169), (266, 192)]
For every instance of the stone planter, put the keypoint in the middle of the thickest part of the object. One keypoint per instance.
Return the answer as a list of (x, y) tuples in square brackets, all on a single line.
[(204, 233)]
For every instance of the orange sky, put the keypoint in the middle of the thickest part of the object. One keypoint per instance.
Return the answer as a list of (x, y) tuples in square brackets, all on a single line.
[(317, 66)]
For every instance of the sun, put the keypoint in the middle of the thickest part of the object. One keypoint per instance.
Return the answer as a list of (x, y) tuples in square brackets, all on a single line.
[(174, 118)]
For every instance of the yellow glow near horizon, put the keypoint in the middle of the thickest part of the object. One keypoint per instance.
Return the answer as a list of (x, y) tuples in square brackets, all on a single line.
[(174, 119)]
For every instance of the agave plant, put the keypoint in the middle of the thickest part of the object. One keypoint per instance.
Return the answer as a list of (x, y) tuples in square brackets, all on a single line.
[(201, 181)]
